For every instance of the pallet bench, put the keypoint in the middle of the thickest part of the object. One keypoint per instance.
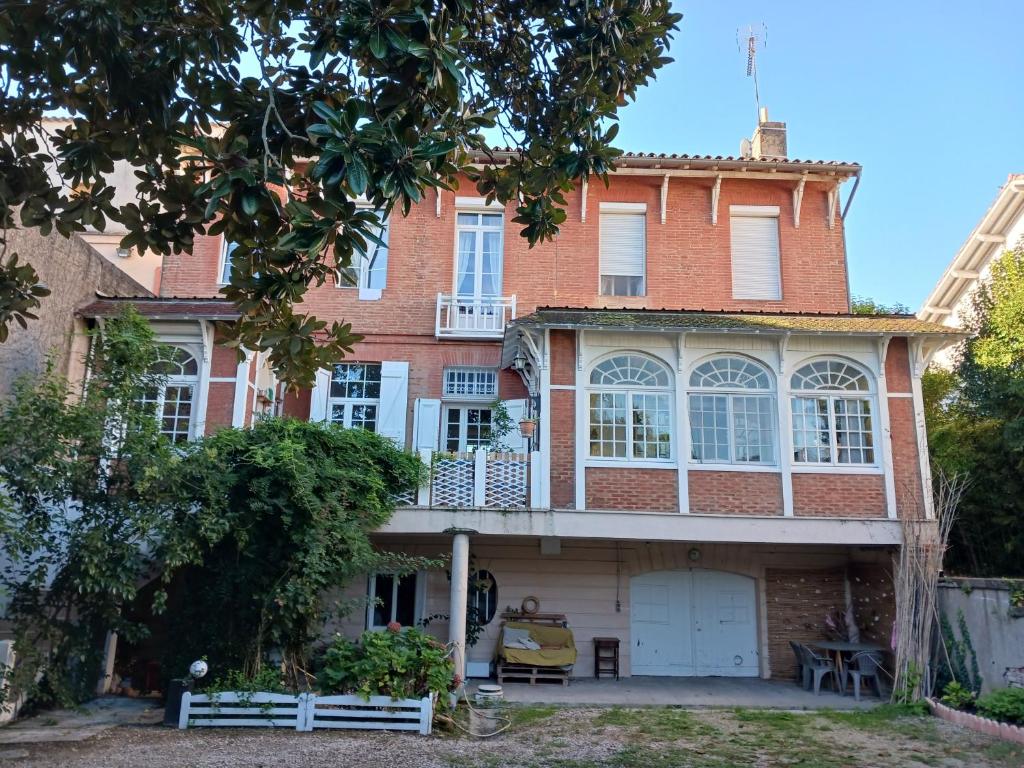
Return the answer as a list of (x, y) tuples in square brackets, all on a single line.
[(525, 673)]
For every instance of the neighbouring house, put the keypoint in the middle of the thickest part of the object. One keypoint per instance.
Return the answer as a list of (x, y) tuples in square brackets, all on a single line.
[(1002, 227), (720, 452)]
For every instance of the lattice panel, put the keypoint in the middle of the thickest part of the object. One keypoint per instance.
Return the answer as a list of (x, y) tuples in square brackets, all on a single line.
[(405, 498), (505, 485), (452, 482)]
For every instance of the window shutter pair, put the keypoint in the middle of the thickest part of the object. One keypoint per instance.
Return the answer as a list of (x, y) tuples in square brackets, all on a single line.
[(394, 399), (756, 271)]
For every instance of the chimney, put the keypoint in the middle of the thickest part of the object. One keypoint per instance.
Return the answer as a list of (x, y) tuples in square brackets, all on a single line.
[(769, 142)]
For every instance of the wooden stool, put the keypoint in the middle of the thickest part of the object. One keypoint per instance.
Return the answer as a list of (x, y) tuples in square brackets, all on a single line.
[(606, 656)]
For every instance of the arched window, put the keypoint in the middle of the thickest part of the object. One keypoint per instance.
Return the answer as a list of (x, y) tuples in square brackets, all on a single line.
[(732, 412), (172, 398), (833, 414), (630, 409)]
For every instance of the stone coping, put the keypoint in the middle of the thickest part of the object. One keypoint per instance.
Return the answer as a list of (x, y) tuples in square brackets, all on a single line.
[(1005, 731)]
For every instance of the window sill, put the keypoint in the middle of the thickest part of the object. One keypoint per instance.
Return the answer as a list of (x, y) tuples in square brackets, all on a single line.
[(834, 469), (622, 464), (766, 468)]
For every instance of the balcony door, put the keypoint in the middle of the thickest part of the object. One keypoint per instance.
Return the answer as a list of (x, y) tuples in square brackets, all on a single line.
[(478, 270)]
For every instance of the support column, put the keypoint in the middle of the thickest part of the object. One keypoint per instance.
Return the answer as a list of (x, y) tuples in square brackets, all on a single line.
[(459, 599), (109, 655)]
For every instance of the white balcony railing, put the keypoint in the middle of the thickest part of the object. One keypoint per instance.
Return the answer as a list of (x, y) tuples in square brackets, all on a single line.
[(479, 479), (473, 316)]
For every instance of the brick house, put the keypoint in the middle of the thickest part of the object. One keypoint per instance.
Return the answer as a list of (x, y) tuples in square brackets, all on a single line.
[(721, 452)]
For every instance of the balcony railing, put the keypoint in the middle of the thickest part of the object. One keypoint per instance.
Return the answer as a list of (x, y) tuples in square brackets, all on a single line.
[(473, 316), (479, 479)]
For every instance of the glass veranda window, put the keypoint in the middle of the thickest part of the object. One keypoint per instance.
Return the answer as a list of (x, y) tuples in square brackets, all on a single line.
[(732, 412), (835, 424), (171, 400), (630, 409)]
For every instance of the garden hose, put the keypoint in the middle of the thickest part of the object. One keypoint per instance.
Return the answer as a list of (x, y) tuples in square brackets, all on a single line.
[(465, 695)]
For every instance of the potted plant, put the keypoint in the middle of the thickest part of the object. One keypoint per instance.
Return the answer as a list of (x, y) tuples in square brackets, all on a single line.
[(528, 427)]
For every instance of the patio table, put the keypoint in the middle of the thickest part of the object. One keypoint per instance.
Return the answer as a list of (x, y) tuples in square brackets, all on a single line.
[(840, 647)]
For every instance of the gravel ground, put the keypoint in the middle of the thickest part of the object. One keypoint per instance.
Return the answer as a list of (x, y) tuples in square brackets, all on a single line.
[(566, 738)]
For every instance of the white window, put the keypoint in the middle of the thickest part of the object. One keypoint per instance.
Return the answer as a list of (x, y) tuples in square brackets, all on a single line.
[(732, 412), (467, 428), (832, 414), (226, 255), (171, 401), (353, 399), (468, 383), (755, 252), (369, 268), (623, 249), (479, 258), (630, 409), (393, 598)]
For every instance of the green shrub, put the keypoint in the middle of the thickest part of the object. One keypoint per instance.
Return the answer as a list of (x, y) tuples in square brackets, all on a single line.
[(957, 696), (400, 663), (1005, 705), (267, 679)]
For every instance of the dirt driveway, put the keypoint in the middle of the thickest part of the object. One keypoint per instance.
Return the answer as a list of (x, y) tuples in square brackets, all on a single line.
[(565, 738)]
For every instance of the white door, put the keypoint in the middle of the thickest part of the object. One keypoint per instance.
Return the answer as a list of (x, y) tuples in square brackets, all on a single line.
[(687, 623)]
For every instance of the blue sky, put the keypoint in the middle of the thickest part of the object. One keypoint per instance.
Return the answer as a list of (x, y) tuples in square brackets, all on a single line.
[(927, 96)]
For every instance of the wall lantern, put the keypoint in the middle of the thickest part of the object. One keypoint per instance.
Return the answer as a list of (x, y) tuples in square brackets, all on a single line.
[(519, 361)]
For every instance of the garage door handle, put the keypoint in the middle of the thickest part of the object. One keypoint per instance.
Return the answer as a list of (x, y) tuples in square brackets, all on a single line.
[(638, 643)]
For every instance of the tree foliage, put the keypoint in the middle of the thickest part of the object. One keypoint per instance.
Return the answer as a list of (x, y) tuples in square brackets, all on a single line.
[(282, 515), (220, 106), (975, 417), (864, 305), (84, 499)]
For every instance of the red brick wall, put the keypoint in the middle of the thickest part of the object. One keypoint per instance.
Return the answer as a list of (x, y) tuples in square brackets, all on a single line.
[(688, 259), (823, 495), (635, 490), (563, 449), (797, 602), (897, 366), (735, 493), (903, 431), (874, 601), (563, 357), (220, 404)]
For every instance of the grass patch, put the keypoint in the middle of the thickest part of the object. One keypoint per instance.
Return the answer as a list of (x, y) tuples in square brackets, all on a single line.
[(1006, 753), (530, 714), (661, 723)]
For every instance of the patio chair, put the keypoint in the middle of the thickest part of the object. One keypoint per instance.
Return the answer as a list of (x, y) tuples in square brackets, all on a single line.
[(866, 665), (817, 667), (800, 674)]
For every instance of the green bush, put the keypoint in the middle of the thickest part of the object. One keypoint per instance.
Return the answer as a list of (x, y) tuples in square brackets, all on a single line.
[(1005, 705), (400, 663), (957, 696), (267, 679)]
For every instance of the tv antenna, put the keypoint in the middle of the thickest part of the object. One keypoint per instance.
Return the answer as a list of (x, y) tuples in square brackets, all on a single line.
[(753, 39)]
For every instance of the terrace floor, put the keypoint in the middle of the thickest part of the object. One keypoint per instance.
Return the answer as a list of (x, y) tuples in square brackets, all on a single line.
[(729, 692)]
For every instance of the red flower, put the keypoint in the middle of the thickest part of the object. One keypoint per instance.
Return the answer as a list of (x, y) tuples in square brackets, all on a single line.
[(394, 627)]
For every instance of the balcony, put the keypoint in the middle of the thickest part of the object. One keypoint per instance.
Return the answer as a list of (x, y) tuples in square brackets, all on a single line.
[(481, 479), (473, 317)]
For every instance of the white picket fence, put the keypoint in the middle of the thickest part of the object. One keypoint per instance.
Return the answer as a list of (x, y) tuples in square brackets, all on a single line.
[(305, 712)]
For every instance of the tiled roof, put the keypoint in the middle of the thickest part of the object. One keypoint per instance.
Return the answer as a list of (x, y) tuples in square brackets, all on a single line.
[(727, 320), (159, 307), (677, 160)]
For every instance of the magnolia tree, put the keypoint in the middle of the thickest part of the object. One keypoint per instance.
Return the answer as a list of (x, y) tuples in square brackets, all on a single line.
[(265, 121)]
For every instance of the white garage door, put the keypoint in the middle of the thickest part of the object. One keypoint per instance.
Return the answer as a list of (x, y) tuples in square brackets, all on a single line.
[(690, 623)]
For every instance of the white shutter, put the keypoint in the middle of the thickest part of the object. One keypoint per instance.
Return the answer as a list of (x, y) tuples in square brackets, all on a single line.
[(318, 397), (426, 424), (623, 243), (516, 410), (755, 257), (394, 401)]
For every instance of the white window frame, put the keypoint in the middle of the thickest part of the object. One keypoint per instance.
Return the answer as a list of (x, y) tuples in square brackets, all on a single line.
[(448, 384), (630, 390), (348, 402), (362, 269), (870, 395), (223, 263), (755, 212), (463, 408), (474, 207), (371, 601), (730, 393), (177, 380), (623, 209)]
